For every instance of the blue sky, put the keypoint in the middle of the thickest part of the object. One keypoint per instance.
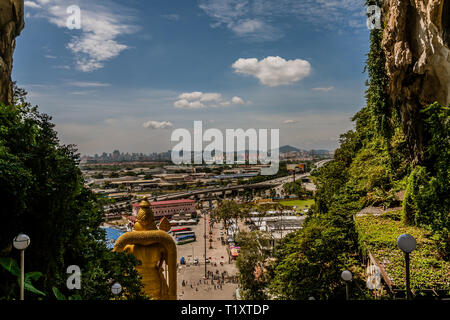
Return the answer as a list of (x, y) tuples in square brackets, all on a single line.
[(137, 70)]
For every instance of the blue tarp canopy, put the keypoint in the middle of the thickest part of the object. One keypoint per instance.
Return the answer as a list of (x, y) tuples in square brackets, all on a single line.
[(111, 236)]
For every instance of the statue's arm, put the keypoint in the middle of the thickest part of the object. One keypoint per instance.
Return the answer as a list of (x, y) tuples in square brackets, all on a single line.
[(144, 238)]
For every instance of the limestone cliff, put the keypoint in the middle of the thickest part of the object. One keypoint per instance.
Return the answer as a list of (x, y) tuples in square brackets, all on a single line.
[(416, 42), (11, 24)]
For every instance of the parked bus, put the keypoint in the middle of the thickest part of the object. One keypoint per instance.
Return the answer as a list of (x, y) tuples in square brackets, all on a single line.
[(191, 236), (184, 233), (180, 229)]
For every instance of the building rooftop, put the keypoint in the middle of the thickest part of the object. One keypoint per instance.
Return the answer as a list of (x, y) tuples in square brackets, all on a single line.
[(156, 203)]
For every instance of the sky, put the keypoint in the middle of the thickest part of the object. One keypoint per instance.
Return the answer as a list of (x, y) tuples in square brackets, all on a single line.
[(136, 70)]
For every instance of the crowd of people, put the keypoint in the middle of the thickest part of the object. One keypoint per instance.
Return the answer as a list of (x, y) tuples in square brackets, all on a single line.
[(213, 281)]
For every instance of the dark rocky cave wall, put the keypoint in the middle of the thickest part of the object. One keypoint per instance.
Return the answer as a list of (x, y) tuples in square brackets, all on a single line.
[(11, 24), (417, 52)]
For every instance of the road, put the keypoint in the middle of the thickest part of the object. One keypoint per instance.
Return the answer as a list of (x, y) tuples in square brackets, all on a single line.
[(309, 186), (276, 183), (196, 286)]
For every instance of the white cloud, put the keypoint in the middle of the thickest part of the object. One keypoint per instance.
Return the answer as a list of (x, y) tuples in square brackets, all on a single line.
[(248, 26), (191, 96), (31, 4), (324, 89), (199, 100), (274, 71), (85, 84), (61, 67), (157, 124), (237, 16), (290, 121), (254, 18), (48, 56), (83, 93), (237, 100), (209, 97), (101, 25), (185, 104)]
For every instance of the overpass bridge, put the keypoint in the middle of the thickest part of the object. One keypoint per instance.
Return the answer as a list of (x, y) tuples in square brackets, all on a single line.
[(221, 191), (218, 190), (277, 182)]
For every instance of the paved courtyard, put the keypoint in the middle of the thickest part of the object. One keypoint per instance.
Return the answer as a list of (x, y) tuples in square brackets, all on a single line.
[(220, 287)]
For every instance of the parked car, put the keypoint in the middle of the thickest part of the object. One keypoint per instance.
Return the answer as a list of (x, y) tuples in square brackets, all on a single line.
[(195, 261), (207, 260)]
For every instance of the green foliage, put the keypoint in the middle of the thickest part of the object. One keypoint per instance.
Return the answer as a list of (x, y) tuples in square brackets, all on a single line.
[(417, 178), (300, 204), (11, 266), (252, 258), (60, 296), (376, 93), (113, 175), (98, 176), (428, 269), (369, 167), (333, 182), (44, 197), (310, 261), (436, 121), (364, 172), (297, 189), (227, 210), (426, 201)]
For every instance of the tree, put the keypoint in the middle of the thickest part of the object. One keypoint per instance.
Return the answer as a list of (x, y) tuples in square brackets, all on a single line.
[(297, 189), (98, 176), (44, 197), (251, 264), (426, 200), (309, 262), (227, 210), (113, 175)]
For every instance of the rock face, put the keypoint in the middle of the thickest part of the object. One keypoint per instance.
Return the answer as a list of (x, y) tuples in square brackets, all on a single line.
[(416, 43), (11, 24)]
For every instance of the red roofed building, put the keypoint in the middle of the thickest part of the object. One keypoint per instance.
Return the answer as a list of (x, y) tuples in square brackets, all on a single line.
[(169, 208)]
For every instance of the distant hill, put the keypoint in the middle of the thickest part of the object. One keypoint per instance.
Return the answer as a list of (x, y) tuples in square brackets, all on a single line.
[(288, 148)]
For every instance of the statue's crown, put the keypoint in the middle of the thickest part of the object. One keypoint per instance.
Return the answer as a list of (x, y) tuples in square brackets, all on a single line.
[(145, 218)]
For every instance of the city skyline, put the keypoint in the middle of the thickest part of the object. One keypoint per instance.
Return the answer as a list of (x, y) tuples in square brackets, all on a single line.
[(132, 74), (286, 149)]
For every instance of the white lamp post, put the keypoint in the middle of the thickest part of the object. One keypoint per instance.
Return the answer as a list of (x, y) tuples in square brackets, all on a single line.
[(407, 244), (21, 242), (347, 277), (116, 288)]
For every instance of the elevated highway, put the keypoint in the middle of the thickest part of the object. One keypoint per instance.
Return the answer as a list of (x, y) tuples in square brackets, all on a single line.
[(276, 183)]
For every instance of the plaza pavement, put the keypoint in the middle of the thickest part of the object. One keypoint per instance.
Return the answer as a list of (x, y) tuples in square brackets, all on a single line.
[(194, 275)]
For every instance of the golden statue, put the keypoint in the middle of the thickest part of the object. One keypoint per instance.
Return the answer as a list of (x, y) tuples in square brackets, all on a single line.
[(152, 247)]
